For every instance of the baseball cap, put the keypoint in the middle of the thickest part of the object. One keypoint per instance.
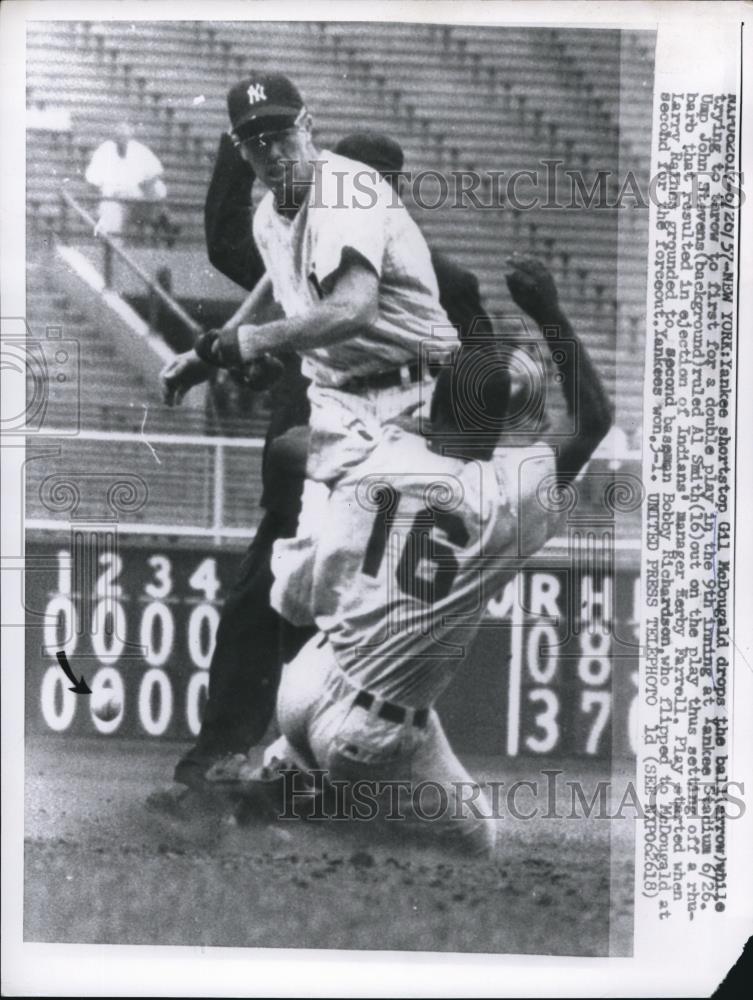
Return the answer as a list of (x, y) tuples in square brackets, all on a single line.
[(262, 102), (375, 149)]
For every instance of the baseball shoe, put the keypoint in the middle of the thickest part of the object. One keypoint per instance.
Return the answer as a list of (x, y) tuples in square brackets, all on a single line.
[(191, 770), (238, 769), (258, 790), (281, 789), (232, 769)]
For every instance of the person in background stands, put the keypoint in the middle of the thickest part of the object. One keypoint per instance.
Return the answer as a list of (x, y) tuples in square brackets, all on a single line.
[(130, 180)]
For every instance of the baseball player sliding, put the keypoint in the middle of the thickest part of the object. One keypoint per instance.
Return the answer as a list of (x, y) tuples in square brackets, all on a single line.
[(415, 539)]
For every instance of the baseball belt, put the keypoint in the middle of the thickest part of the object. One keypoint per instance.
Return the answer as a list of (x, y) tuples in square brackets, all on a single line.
[(393, 713), (404, 375)]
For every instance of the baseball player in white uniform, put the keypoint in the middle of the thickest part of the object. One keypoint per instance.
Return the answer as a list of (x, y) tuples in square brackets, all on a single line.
[(414, 542), (350, 269)]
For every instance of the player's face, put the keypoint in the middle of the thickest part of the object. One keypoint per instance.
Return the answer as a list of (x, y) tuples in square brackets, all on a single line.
[(280, 159)]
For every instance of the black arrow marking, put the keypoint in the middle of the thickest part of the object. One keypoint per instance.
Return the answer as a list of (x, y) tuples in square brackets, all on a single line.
[(79, 687)]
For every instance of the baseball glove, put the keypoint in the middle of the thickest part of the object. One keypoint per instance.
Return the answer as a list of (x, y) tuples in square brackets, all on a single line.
[(260, 374)]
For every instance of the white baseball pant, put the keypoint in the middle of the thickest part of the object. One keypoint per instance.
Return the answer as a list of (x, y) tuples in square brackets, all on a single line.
[(429, 785), (345, 427)]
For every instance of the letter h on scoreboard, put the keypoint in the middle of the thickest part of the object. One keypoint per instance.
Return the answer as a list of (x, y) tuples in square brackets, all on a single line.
[(563, 695)]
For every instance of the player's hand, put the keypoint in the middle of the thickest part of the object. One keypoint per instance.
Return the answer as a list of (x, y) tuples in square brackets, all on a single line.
[(180, 375), (532, 286)]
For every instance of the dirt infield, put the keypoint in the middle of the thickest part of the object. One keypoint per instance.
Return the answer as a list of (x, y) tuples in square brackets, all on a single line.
[(101, 868)]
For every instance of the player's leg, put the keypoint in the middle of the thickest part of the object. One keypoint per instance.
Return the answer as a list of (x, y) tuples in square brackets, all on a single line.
[(252, 642), (264, 792), (245, 667), (345, 427), (305, 695), (425, 790), (252, 639), (344, 431), (463, 811)]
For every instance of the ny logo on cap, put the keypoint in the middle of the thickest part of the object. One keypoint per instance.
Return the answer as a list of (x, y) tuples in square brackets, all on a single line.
[(256, 93)]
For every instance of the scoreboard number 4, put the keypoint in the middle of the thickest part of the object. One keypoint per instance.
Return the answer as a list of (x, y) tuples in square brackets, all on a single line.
[(205, 579)]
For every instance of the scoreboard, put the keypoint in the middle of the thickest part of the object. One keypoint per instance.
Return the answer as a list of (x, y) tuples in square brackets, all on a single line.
[(552, 673)]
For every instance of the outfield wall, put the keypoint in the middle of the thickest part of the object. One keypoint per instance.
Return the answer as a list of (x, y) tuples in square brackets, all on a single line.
[(552, 673)]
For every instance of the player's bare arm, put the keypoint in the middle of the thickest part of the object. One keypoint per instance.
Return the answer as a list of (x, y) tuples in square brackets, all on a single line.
[(349, 304), (534, 290)]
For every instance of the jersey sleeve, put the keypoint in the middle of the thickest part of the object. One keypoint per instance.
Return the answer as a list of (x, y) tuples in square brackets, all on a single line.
[(148, 164), (347, 221)]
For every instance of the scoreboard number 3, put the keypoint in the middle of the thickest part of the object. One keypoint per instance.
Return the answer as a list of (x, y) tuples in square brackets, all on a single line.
[(163, 577)]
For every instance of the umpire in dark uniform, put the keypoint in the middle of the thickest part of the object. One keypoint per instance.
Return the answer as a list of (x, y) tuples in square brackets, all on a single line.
[(253, 641)]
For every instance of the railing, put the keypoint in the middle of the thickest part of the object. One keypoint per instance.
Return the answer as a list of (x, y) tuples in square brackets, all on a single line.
[(146, 484), (183, 208), (114, 247)]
